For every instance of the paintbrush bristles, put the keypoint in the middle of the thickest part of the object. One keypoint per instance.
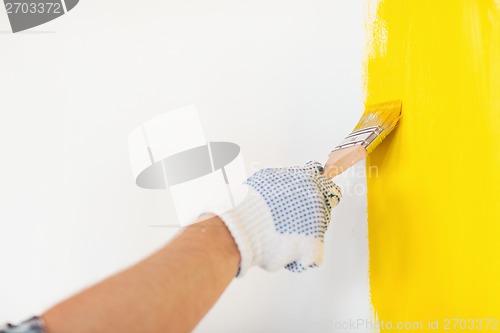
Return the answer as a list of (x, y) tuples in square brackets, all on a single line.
[(385, 116)]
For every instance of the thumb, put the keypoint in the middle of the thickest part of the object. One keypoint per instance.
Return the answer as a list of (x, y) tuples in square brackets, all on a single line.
[(330, 190)]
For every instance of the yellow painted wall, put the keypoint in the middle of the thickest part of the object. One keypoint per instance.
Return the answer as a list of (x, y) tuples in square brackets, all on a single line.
[(434, 206)]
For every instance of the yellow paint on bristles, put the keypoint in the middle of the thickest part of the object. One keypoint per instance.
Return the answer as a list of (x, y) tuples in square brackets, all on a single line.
[(384, 115)]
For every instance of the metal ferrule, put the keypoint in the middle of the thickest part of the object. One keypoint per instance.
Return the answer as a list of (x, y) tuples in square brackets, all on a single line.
[(363, 137)]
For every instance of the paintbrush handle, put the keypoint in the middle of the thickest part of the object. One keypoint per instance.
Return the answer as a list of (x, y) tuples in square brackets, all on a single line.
[(342, 159)]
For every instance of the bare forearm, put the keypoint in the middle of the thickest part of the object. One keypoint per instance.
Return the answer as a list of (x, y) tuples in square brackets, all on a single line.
[(168, 292)]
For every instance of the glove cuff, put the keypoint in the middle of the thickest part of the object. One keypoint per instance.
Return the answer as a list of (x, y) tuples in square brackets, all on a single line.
[(251, 224)]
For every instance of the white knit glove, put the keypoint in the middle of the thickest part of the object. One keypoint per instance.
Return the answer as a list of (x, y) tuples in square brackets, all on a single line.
[(283, 219)]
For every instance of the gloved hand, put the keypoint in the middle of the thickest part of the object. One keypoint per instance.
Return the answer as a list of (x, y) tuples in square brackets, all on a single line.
[(283, 219)]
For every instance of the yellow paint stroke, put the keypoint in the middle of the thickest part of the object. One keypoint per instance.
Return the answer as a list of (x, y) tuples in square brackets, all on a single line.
[(434, 206)]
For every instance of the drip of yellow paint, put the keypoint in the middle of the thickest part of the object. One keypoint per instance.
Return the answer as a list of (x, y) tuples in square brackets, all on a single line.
[(434, 204)]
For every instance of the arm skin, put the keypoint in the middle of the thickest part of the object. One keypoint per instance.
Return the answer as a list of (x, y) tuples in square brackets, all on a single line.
[(170, 291)]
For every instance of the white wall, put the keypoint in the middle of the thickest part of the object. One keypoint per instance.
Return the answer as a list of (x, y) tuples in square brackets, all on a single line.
[(280, 78)]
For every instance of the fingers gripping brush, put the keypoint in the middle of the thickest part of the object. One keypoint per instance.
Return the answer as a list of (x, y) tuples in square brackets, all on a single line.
[(375, 124)]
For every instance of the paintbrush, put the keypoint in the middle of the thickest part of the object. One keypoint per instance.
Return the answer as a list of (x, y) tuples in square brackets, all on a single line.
[(375, 124)]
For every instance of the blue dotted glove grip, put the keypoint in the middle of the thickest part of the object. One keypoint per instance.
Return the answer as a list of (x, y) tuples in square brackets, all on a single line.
[(283, 219)]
